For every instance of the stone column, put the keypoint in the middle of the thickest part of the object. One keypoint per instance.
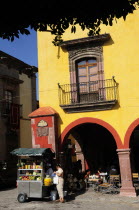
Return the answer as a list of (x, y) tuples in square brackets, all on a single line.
[(79, 155), (127, 188)]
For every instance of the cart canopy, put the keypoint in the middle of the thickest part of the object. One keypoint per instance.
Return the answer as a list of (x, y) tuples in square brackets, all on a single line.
[(32, 152)]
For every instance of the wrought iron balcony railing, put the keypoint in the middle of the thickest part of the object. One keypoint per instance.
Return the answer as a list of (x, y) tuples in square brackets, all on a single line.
[(87, 93)]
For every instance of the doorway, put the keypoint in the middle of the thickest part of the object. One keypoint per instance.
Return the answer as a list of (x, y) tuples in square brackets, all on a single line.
[(95, 144), (134, 146)]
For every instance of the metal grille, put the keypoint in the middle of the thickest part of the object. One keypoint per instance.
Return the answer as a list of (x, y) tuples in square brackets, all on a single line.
[(88, 92), (6, 108)]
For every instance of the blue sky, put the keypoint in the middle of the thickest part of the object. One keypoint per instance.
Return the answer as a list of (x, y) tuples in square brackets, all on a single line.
[(24, 48)]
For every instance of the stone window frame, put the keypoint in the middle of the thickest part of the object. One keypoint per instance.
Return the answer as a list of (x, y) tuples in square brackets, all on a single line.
[(82, 53), (87, 47)]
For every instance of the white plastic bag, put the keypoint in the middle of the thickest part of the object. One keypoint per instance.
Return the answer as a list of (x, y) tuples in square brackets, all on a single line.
[(55, 179)]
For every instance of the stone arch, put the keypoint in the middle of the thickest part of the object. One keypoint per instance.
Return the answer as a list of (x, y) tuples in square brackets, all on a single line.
[(96, 121), (129, 131)]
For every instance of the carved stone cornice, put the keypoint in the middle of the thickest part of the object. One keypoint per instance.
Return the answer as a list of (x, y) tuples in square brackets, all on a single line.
[(74, 52), (92, 40)]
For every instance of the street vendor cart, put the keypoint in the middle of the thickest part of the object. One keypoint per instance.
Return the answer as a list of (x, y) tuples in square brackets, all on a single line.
[(31, 180)]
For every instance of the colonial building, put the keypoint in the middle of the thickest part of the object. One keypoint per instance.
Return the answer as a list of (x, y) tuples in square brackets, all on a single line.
[(17, 100), (90, 86)]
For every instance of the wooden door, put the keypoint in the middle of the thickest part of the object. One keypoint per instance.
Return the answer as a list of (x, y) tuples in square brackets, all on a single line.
[(88, 80)]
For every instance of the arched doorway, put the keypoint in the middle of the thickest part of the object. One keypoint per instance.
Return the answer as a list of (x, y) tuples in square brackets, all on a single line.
[(104, 139), (131, 142), (134, 146), (93, 144)]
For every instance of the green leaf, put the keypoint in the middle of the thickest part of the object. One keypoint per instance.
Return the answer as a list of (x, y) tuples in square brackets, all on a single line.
[(26, 31), (17, 35), (12, 38), (83, 27), (110, 21), (73, 29)]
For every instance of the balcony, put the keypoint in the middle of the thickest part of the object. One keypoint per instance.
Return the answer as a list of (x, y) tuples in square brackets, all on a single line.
[(88, 96)]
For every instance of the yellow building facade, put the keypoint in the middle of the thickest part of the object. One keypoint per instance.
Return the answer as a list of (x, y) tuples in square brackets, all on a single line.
[(92, 83)]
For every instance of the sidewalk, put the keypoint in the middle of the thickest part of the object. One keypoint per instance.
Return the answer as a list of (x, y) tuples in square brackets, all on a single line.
[(89, 200)]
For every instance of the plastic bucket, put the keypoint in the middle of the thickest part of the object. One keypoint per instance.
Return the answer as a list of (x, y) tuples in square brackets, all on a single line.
[(53, 195), (47, 181)]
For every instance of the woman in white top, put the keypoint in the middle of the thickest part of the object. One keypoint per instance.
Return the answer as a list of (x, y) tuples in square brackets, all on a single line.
[(60, 184)]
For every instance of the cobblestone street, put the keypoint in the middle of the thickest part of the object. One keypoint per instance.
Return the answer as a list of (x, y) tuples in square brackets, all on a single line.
[(87, 200)]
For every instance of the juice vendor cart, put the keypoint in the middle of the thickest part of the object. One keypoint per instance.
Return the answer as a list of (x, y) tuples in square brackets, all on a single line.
[(31, 173)]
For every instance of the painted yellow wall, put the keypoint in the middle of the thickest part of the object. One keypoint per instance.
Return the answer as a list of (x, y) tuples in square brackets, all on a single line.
[(121, 59), (26, 102)]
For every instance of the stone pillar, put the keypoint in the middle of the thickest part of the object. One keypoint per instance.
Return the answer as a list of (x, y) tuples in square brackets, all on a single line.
[(79, 155), (127, 188)]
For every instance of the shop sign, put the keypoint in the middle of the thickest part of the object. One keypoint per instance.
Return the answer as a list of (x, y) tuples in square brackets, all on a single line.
[(42, 129)]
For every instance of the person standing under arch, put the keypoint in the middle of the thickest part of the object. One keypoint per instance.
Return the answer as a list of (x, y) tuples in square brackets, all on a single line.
[(60, 184)]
